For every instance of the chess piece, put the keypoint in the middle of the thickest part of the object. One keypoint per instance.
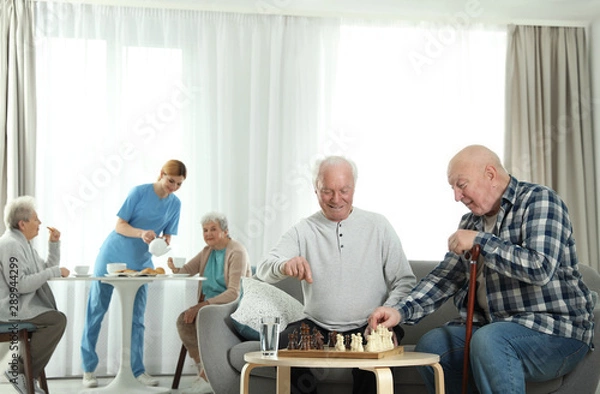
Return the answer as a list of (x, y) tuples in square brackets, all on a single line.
[(372, 342), (305, 337), (339, 343), (332, 338), (347, 341), (379, 340), (353, 345), (293, 340), (317, 339), (357, 343)]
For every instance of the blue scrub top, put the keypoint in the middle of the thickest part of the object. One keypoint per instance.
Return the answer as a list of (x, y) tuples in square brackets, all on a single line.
[(142, 209)]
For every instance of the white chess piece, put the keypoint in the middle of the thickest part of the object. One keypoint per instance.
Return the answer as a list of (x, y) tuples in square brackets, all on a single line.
[(372, 342), (359, 340), (388, 343), (353, 343), (339, 343), (380, 340)]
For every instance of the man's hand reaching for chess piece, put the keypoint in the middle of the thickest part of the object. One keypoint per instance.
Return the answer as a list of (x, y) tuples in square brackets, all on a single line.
[(297, 267)]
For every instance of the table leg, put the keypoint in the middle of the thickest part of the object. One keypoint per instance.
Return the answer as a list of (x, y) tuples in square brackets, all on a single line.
[(439, 378), (283, 379), (245, 378), (125, 382), (284, 374), (384, 378)]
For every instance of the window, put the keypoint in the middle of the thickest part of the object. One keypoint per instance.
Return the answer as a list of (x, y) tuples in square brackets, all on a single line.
[(237, 99), (403, 110)]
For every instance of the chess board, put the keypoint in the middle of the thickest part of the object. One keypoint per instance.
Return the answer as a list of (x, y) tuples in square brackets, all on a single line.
[(332, 353)]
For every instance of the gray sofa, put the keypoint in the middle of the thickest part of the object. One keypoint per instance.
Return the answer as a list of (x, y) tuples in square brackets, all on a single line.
[(223, 349)]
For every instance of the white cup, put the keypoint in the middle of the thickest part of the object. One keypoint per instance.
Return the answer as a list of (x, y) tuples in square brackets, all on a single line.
[(269, 335), (178, 262), (111, 268), (81, 269)]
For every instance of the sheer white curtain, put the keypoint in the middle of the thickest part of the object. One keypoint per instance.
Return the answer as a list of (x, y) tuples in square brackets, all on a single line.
[(408, 97), (247, 102), (240, 99)]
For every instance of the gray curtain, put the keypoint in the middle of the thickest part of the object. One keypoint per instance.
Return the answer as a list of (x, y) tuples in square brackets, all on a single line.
[(549, 136), (17, 101)]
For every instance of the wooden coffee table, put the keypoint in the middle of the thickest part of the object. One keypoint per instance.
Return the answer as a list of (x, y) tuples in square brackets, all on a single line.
[(381, 367)]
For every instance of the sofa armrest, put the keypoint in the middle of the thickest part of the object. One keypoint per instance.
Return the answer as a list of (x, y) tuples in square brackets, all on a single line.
[(216, 336)]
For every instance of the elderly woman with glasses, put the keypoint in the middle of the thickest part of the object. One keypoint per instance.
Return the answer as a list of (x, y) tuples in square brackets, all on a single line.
[(24, 292)]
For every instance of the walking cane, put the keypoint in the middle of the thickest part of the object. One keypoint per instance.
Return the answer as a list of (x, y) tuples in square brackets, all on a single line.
[(473, 255)]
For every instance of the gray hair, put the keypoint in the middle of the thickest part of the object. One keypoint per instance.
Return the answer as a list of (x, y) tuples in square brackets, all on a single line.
[(217, 218), (332, 161), (21, 208)]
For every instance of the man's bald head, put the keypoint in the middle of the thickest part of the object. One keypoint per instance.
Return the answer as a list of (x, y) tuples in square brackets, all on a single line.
[(478, 179)]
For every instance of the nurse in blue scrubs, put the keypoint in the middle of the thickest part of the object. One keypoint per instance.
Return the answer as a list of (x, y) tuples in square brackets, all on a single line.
[(150, 210)]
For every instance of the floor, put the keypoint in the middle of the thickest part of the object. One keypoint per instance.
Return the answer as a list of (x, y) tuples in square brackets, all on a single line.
[(73, 386)]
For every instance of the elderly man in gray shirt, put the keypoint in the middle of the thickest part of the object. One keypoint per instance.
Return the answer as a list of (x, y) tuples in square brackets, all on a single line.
[(350, 262), (24, 292)]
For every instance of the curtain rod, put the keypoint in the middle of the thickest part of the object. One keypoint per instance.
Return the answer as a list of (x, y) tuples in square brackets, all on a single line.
[(264, 7)]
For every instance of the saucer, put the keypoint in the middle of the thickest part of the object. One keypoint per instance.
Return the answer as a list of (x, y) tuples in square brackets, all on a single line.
[(82, 275)]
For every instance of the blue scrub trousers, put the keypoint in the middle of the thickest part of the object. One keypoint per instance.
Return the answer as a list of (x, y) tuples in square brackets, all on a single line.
[(98, 301)]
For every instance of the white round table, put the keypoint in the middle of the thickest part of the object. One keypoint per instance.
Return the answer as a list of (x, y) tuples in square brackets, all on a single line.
[(126, 288), (381, 367)]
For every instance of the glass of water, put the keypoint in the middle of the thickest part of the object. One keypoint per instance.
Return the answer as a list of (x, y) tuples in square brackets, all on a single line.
[(269, 335)]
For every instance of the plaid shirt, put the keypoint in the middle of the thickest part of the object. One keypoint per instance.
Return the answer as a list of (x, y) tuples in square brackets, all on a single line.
[(530, 269)]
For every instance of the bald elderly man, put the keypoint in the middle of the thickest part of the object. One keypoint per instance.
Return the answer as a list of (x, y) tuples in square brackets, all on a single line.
[(533, 314)]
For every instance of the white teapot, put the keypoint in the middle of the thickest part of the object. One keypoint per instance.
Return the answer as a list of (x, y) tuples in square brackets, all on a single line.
[(158, 247)]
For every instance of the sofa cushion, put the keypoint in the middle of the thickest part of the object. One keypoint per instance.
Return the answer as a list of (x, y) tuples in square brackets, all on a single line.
[(262, 299)]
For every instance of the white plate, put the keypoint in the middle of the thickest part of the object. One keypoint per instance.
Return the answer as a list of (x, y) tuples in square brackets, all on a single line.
[(82, 275), (180, 275), (114, 275)]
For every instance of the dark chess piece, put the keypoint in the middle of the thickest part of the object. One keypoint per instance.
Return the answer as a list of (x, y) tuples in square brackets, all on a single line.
[(305, 339), (293, 340), (347, 341), (317, 339), (332, 338)]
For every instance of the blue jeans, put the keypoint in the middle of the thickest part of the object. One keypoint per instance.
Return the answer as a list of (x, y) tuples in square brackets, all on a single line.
[(98, 301), (502, 357)]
